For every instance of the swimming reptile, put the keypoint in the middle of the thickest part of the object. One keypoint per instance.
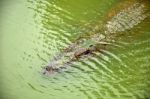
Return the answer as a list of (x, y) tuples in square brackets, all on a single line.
[(82, 48)]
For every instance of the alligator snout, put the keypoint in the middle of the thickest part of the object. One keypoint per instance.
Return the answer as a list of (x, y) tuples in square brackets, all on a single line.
[(49, 70)]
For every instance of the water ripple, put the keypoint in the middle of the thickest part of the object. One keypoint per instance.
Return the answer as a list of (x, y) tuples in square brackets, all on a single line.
[(118, 71)]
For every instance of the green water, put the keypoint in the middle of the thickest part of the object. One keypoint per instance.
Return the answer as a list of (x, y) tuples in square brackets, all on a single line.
[(33, 31)]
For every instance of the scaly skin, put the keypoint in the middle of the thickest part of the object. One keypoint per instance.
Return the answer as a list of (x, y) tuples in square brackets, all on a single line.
[(123, 20)]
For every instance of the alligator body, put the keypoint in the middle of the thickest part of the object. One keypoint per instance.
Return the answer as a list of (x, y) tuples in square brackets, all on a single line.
[(125, 19)]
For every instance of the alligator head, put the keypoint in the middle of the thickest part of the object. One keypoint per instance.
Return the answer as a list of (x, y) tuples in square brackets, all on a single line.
[(67, 57)]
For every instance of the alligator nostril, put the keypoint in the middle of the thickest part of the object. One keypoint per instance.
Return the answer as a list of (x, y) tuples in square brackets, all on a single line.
[(44, 72)]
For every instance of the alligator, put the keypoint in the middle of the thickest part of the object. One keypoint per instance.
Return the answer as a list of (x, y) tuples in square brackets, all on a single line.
[(125, 19)]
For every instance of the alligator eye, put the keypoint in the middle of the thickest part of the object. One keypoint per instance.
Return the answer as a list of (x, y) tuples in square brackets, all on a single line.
[(48, 68), (87, 52), (91, 46)]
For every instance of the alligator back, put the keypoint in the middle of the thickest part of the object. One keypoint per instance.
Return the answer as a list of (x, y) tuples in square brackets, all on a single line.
[(123, 20), (127, 18)]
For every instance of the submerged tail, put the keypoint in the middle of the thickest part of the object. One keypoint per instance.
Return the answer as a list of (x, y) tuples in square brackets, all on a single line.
[(127, 18), (124, 20)]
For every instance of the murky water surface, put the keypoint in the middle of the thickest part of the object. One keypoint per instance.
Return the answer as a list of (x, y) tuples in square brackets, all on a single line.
[(32, 32)]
